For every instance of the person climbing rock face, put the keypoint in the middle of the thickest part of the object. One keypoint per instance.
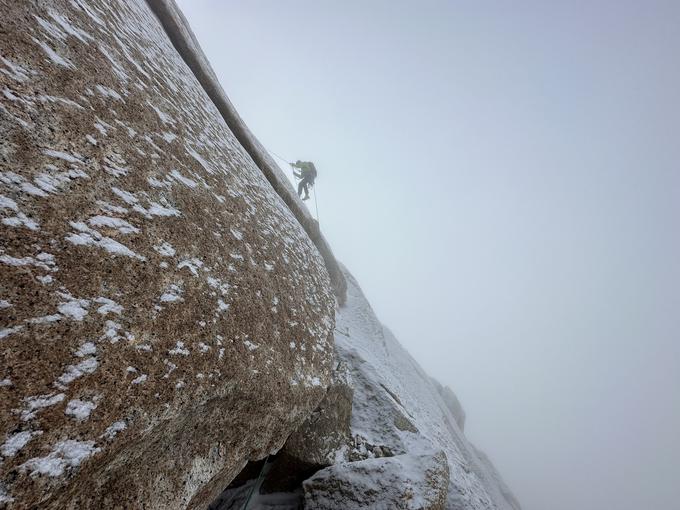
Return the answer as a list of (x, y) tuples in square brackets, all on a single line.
[(307, 174)]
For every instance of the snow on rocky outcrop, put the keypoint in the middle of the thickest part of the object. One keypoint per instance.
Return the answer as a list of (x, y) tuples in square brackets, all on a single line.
[(385, 437), (399, 415), (153, 280), (400, 482)]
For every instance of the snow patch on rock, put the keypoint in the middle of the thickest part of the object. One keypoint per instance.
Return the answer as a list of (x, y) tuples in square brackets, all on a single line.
[(65, 455)]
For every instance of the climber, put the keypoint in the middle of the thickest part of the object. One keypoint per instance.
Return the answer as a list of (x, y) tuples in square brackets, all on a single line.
[(307, 174)]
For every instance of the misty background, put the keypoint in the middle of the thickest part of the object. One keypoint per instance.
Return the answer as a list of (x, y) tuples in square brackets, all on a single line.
[(503, 179)]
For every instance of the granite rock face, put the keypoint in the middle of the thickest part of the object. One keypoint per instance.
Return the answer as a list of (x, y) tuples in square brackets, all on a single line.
[(316, 443), (163, 315)]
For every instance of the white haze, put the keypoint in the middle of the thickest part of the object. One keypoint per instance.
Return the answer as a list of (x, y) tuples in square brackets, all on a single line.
[(503, 178)]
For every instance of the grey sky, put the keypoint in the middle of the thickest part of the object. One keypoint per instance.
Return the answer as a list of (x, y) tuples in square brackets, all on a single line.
[(503, 178)]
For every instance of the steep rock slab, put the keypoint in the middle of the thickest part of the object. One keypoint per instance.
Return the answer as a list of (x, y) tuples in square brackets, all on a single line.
[(153, 282), (182, 37), (403, 482)]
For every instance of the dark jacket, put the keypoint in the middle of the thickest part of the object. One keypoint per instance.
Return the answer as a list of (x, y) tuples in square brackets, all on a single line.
[(307, 170)]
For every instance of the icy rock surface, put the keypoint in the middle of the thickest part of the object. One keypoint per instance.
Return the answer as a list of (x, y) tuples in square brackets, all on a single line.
[(402, 482), (152, 280), (402, 431)]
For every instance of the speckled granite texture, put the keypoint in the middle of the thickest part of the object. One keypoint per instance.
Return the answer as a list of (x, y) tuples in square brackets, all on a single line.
[(163, 316)]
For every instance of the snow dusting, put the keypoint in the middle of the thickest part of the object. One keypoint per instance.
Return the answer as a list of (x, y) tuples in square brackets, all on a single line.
[(80, 409), (73, 372), (165, 249), (179, 349), (87, 349), (139, 380), (16, 442), (65, 454), (32, 405), (172, 294), (113, 429)]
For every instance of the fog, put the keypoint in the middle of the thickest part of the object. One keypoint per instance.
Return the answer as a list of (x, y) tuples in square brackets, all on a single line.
[(503, 179)]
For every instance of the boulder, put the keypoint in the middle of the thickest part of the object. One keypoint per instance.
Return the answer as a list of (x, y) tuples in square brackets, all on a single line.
[(164, 316), (406, 481)]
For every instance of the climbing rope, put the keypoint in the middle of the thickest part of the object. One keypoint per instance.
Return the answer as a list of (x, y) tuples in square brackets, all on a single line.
[(257, 482), (282, 159), (316, 205), (285, 161)]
